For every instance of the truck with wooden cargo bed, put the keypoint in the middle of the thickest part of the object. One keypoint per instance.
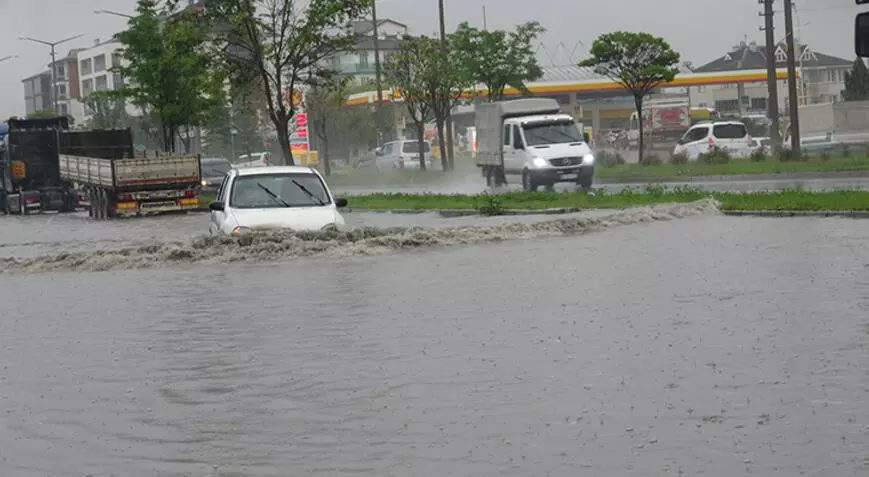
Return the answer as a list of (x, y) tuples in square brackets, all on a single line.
[(532, 139), (119, 182)]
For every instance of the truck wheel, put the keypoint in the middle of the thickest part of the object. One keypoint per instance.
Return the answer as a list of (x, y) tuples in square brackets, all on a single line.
[(528, 182), (500, 176), (104, 205)]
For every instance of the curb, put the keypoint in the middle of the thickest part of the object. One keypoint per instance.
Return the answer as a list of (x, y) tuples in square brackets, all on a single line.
[(736, 177), (851, 214), (471, 212)]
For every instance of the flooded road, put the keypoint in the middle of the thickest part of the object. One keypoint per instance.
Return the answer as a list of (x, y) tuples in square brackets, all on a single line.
[(702, 345)]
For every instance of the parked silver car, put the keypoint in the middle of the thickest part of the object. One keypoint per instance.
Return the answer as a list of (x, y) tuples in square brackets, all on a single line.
[(403, 154)]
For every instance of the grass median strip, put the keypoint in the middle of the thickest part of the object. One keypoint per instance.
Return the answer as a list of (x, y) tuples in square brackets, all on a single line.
[(737, 167), (785, 200)]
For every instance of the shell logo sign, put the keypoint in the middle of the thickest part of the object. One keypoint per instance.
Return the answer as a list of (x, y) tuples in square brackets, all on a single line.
[(295, 98)]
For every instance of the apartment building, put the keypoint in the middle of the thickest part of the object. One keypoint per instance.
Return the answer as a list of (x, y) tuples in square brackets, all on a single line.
[(37, 92), (66, 85), (96, 69), (360, 62), (822, 79)]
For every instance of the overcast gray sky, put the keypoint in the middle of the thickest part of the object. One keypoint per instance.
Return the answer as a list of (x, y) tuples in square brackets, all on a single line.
[(701, 30)]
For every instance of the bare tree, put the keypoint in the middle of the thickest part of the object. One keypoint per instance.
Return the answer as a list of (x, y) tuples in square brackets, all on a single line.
[(409, 70)]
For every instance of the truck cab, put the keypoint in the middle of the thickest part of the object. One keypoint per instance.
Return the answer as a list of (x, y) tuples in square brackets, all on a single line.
[(546, 149), (532, 139)]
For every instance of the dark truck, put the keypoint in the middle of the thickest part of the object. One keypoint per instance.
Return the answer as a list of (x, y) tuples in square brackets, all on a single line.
[(31, 178)]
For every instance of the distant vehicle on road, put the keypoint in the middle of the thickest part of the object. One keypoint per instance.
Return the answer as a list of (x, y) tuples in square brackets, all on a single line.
[(730, 136), (276, 197), (256, 159), (403, 154), (213, 170), (532, 139)]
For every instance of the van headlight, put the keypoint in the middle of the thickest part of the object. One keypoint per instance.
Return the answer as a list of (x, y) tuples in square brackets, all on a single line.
[(539, 162), (241, 230), (588, 160)]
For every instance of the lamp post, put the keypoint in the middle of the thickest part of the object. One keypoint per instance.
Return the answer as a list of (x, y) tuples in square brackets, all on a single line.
[(377, 76), (52, 45), (101, 11), (8, 58), (446, 149)]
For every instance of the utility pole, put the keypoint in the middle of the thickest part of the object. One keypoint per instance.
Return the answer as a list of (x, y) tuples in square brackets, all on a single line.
[(771, 76), (793, 99), (485, 20), (449, 118), (378, 108), (52, 94)]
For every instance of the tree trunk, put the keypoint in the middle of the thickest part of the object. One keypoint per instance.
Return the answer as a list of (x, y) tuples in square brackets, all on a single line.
[(638, 102), (420, 130), (451, 153), (445, 162), (284, 141), (327, 166)]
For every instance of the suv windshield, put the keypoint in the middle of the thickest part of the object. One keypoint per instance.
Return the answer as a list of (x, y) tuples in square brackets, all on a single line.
[(413, 147), (215, 167), (551, 133), (729, 131), (278, 190)]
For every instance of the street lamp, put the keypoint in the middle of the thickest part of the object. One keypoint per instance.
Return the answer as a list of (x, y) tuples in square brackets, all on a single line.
[(100, 11), (8, 58), (52, 44)]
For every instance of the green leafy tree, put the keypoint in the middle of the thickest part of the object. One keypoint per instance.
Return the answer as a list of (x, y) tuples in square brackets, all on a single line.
[(640, 62), (169, 72), (285, 44), (233, 128), (446, 83), (857, 82), (325, 104), (497, 58), (409, 70), (106, 110), (42, 114)]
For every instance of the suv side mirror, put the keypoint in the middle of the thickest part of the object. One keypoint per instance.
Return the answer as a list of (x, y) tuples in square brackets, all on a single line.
[(861, 35), (217, 206), (340, 202)]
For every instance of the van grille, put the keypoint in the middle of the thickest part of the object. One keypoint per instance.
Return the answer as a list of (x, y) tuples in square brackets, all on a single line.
[(566, 161)]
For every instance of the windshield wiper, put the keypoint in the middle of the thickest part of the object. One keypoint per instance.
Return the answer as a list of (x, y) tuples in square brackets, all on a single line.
[(309, 193), (273, 195)]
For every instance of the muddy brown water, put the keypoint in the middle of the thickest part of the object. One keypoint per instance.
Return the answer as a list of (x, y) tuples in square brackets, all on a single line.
[(702, 345)]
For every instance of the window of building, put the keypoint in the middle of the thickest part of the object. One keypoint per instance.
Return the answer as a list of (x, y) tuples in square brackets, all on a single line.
[(64, 109), (102, 83), (99, 63), (61, 91), (363, 59), (86, 67), (60, 71), (758, 104), (727, 106), (116, 59), (87, 87), (117, 81)]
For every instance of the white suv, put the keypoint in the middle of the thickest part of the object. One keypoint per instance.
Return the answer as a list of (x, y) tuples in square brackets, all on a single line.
[(731, 136), (403, 155)]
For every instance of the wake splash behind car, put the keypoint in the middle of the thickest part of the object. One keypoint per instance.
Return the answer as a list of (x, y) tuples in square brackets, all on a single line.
[(286, 197)]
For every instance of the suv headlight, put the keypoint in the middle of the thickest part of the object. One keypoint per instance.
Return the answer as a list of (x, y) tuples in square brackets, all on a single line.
[(539, 162), (588, 160), (241, 230)]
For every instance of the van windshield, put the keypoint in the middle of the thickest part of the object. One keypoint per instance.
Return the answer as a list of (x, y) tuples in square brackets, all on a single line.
[(413, 147), (540, 134)]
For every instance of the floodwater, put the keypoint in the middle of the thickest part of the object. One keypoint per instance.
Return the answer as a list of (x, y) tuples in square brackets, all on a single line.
[(672, 341)]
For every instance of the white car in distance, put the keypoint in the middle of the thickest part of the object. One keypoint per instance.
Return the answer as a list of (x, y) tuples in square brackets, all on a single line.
[(278, 197)]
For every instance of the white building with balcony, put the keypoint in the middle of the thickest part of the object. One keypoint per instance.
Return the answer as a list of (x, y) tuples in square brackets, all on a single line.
[(360, 62), (822, 79), (95, 70)]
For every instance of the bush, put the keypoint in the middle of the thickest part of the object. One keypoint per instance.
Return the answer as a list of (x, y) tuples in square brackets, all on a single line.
[(679, 158), (610, 159), (758, 155), (714, 156), (488, 204), (826, 156), (651, 159), (787, 155)]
